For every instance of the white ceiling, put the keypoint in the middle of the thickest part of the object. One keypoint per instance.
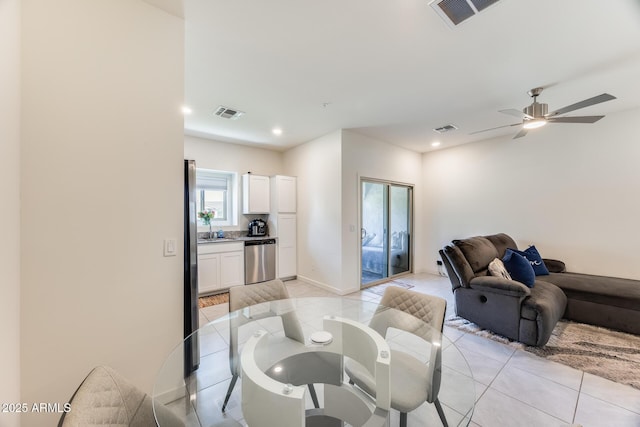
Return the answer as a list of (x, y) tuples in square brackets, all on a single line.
[(394, 70)]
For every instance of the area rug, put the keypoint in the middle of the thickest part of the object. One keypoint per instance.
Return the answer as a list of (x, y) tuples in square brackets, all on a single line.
[(213, 300), (379, 289), (598, 351)]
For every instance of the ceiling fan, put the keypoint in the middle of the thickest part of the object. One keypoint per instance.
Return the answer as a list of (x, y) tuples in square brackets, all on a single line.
[(536, 115)]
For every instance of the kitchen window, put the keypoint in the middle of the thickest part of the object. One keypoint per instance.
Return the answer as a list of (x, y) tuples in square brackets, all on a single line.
[(216, 191)]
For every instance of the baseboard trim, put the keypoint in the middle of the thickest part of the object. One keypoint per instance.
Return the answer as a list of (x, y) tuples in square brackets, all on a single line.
[(327, 287), (170, 396), (443, 273)]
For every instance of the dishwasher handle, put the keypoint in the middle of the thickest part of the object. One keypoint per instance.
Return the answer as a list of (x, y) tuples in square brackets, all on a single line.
[(260, 242)]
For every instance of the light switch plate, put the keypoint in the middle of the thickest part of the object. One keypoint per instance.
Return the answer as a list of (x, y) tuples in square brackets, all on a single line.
[(170, 247)]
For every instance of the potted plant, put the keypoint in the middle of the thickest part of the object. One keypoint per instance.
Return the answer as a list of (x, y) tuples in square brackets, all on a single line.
[(206, 217)]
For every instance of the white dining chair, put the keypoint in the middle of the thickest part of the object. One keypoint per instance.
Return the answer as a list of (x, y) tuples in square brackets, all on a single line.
[(105, 398), (248, 295), (412, 381)]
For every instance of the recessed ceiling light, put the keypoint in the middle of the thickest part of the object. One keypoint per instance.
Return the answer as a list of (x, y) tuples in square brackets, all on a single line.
[(435, 144), (277, 131), (186, 110)]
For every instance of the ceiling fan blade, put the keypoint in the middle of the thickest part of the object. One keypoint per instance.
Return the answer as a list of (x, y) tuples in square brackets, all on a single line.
[(520, 134), (582, 104), (577, 119), (517, 113), (499, 127)]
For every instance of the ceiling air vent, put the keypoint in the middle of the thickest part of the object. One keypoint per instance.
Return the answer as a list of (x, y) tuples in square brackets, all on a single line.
[(445, 128), (229, 113), (454, 12), (481, 5)]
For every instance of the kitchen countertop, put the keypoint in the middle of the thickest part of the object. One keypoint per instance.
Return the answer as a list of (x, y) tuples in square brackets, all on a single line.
[(233, 239)]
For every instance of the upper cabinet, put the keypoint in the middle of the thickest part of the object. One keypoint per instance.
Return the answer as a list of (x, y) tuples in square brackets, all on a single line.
[(283, 194), (255, 194)]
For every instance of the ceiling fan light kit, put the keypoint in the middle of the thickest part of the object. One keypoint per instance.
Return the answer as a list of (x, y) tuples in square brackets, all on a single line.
[(534, 123), (536, 115)]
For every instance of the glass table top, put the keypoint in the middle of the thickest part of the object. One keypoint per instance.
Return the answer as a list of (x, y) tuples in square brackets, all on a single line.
[(278, 348)]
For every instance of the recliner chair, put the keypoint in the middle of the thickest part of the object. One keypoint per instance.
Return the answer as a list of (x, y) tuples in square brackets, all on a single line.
[(506, 307)]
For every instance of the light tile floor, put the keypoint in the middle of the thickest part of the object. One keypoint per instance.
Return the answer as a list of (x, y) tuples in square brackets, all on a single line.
[(513, 387)]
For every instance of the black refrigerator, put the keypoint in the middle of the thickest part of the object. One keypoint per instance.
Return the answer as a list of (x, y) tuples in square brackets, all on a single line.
[(192, 354)]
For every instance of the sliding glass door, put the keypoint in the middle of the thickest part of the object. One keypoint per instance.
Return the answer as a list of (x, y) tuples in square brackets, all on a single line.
[(386, 213), (399, 224)]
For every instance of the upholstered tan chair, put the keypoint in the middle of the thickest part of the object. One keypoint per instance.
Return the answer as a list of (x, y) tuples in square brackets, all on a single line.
[(105, 398), (412, 381), (244, 296)]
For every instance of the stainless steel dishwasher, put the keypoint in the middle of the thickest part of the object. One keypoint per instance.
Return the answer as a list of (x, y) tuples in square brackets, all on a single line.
[(259, 260)]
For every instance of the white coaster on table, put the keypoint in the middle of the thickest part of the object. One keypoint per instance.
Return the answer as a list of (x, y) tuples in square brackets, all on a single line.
[(321, 337)]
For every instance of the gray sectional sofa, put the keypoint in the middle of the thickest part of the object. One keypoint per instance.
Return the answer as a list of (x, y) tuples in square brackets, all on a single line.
[(528, 315)]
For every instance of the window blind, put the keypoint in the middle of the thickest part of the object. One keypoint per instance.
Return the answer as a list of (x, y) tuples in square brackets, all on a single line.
[(209, 180)]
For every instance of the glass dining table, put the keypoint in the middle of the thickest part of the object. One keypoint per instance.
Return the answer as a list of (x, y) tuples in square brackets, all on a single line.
[(284, 364)]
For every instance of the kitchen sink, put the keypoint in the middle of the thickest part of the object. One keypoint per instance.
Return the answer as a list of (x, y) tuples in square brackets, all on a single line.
[(217, 239)]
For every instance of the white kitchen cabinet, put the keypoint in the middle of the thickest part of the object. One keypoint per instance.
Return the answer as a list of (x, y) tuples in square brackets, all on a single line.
[(220, 266), (282, 223), (208, 273), (283, 194), (287, 245), (232, 269), (255, 194)]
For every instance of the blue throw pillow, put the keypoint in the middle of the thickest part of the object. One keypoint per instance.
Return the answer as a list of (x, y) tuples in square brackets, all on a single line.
[(519, 268), (535, 259)]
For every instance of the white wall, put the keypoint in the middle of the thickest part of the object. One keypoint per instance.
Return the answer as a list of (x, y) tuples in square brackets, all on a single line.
[(572, 190), (10, 206), (365, 157), (217, 155), (101, 170), (317, 164)]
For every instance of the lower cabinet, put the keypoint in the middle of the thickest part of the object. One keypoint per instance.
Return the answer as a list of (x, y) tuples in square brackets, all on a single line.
[(208, 273), (220, 266), (232, 269)]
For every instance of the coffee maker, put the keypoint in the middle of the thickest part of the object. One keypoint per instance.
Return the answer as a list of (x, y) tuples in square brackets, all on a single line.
[(257, 227)]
